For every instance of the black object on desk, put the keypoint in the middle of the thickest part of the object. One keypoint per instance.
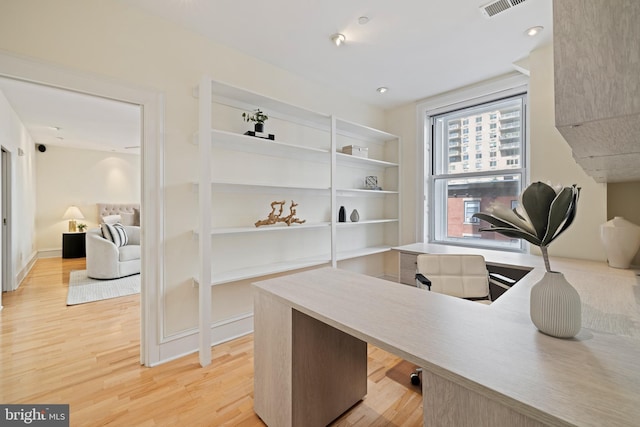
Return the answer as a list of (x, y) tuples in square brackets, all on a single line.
[(73, 245)]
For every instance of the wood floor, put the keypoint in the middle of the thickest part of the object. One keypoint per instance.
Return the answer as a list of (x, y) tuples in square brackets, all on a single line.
[(87, 356)]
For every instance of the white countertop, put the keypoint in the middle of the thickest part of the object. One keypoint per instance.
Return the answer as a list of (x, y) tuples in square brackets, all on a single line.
[(591, 380)]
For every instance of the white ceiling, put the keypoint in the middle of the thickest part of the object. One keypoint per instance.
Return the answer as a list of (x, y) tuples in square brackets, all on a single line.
[(416, 48), (83, 121)]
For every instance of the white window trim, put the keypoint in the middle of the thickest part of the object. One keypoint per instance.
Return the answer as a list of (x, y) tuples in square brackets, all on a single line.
[(504, 86)]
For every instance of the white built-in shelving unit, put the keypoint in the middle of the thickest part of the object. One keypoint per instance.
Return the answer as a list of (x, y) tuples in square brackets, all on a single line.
[(241, 175)]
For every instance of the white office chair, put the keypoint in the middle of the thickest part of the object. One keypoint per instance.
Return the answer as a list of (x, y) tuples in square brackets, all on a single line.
[(462, 276)]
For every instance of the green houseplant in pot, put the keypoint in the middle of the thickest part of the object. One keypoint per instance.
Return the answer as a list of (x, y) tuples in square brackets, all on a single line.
[(258, 117), (544, 212)]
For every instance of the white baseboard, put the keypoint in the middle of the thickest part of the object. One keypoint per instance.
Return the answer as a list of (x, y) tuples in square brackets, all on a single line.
[(185, 343), (50, 253), (26, 269)]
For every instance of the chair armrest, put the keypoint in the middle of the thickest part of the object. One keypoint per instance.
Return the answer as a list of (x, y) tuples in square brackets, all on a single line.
[(422, 279), (501, 281), (133, 233), (99, 248)]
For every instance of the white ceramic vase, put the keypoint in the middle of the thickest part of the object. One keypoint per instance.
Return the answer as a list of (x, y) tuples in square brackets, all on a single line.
[(555, 308), (621, 240)]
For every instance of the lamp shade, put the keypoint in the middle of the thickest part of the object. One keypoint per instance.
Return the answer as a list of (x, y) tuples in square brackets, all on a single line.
[(73, 212)]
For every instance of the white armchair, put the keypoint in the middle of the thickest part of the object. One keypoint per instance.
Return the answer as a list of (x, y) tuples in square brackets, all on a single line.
[(107, 261)]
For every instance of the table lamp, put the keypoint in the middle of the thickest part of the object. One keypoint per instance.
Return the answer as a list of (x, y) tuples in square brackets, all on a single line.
[(72, 213)]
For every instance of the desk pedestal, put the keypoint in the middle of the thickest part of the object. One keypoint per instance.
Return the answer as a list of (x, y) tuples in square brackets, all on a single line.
[(307, 373)]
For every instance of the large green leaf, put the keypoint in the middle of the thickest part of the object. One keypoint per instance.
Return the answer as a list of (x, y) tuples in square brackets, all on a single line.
[(536, 201), (515, 234), (575, 194), (510, 217), (503, 226), (558, 213)]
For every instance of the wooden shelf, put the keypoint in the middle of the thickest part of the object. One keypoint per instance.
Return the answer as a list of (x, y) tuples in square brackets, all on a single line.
[(264, 229), (350, 192), (266, 147), (361, 132), (281, 163), (367, 222), (344, 255), (362, 162), (221, 277), (237, 187)]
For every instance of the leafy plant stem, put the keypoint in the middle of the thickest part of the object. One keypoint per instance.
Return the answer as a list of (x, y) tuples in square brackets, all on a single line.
[(545, 256)]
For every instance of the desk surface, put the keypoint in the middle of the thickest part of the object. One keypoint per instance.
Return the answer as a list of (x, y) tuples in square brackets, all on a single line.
[(495, 350)]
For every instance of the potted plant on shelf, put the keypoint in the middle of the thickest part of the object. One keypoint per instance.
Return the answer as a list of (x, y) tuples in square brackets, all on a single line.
[(544, 212), (258, 117), (81, 227)]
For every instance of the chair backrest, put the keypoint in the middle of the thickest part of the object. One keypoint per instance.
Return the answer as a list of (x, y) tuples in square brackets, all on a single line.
[(463, 276)]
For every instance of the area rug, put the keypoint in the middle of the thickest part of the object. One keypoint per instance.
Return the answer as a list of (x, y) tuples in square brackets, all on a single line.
[(83, 289)]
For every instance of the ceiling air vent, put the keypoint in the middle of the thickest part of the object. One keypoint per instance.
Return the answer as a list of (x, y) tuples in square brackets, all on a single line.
[(496, 7)]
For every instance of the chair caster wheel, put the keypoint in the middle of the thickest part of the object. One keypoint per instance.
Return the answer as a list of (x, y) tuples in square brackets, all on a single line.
[(415, 379)]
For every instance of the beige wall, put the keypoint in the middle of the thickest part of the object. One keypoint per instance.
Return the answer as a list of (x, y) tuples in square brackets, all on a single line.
[(66, 176), (14, 137), (624, 200), (550, 160), (402, 122), (117, 42)]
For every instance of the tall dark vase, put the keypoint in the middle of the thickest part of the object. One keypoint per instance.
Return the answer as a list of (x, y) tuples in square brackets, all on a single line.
[(259, 127), (342, 215)]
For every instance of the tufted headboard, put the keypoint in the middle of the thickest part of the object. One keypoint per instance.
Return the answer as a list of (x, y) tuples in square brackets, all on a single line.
[(129, 212)]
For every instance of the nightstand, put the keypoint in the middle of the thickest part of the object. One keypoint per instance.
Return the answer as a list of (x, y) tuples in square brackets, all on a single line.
[(73, 245)]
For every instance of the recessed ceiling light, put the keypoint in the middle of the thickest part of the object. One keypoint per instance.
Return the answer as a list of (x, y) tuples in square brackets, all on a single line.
[(338, 39), (363, 20), (534, 31), (382, 89)]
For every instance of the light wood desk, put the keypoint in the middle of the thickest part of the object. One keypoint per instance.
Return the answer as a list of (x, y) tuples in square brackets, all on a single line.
[(483, 365)]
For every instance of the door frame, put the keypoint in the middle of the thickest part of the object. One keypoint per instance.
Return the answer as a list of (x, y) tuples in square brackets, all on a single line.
[(152, 176), (6, 269)]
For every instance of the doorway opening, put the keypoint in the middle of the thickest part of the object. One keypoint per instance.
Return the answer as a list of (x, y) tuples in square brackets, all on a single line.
[(151, 107)]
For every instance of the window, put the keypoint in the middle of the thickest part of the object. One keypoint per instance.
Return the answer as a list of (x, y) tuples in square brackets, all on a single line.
[(478, 128), (456, 194), (471, 207)]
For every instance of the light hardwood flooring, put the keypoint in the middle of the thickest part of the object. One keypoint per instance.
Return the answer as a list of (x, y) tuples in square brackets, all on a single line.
[(87, 356)]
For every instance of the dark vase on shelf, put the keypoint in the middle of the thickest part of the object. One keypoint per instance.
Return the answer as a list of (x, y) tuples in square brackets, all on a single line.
[(258, 127), (342, 215)]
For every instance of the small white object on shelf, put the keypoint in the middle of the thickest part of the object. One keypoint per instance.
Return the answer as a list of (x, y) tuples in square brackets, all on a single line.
[(356, 150)]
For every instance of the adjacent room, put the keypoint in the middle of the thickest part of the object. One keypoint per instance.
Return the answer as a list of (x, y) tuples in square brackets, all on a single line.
[(336, 213)]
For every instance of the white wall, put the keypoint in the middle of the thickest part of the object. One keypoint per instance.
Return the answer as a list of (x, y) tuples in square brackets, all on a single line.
[(66, 176), (550, 160), (117, 42), (13, 136)]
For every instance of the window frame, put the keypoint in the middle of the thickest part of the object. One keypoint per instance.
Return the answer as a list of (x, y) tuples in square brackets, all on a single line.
[(493, 90)]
